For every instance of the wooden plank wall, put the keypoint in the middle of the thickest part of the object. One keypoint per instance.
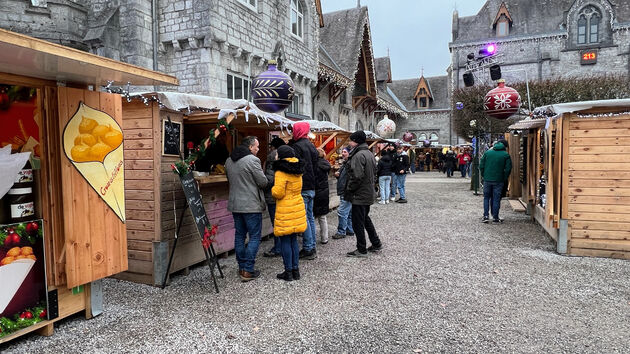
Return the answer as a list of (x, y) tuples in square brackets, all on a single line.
[(141, 129), (95, 238), (599, 186)]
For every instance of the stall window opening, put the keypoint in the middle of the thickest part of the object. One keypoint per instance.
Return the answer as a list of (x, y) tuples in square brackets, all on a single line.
[(237, 87)]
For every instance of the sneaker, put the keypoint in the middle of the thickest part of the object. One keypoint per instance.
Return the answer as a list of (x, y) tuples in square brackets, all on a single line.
[(381, 202), (484, 220), (497, 221), (392, 199), (357, 254), (271, 254), (337, 236), (247, 276), (308, 255), (375, 248), (387, 201), (287, 275), (296, 274), (323, 242), (402, 201)]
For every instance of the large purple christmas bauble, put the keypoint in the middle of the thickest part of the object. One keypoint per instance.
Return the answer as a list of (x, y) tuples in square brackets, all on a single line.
[(426, 143), (407, 137), (502, 101), (272, 90)]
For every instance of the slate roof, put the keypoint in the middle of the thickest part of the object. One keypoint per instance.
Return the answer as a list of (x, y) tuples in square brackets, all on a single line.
[(531, 17), (342, 36), (383, 68), (405, 89), (387, 99)]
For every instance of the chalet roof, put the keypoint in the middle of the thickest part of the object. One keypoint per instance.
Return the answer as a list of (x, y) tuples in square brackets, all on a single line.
[(383, 68), (527, 16), (405, 90), (388, 101), (342, 36)]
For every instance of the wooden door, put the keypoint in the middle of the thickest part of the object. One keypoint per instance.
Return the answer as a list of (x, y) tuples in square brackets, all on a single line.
[(95, 237)]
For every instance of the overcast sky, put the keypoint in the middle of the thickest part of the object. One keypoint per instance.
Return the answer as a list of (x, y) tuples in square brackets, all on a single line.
[(417, 32)]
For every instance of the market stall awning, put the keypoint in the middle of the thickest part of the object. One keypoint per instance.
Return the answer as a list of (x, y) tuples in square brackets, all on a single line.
[(28, 56), (323, 126), (560, 108), (528, 123)]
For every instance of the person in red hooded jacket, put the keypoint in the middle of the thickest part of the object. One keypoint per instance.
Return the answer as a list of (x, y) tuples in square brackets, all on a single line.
[(305, 151)]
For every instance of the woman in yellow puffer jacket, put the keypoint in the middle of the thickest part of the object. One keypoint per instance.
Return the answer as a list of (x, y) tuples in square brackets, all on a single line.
[(290, 217)]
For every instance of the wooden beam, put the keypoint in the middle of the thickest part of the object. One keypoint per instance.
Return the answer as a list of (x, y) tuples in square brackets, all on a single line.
[(358, 100), (337, 146), (374, 143), (327, 140), (339, 92)]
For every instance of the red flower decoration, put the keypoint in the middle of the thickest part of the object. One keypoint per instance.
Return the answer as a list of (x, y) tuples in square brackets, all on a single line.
[(190, 145), (208, 236)]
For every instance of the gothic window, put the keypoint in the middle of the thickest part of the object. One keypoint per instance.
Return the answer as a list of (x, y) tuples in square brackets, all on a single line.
[(297, 18), (588, 25), (358, 125), (433, 137), (323, 116), (237, 87), (582, 30), (343, 98), (422, 136)]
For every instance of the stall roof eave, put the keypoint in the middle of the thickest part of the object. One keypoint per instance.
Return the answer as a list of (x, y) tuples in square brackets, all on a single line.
[(27, 56), (584, 106), (528, 123)]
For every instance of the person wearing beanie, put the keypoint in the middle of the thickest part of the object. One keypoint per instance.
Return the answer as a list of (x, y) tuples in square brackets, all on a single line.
[(276, 142), (360, 192), (290, 217), (306, 152), (344, 211)]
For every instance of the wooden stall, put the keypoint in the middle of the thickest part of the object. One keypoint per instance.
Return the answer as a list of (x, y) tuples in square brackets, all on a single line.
[(155, 199), (577, 176), (50, 101)]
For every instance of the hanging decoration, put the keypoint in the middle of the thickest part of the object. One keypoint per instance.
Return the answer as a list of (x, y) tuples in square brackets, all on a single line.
[(186, 165), (407, 137), (272, 90), (502, 101), (386, 127), (426, 143)]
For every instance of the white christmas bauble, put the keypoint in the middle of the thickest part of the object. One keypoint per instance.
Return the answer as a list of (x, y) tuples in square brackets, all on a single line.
[(386, 127)]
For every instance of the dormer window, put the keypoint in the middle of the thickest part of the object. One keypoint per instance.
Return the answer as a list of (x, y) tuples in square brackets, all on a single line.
[(502, 21), (588, 26), (422, 102), (503, 27)]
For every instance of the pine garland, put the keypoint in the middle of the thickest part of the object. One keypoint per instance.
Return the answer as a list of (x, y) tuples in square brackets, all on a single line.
[(182, 167)]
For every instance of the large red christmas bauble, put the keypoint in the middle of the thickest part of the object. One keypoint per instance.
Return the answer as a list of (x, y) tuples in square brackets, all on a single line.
[(502, 101), (407, 137)]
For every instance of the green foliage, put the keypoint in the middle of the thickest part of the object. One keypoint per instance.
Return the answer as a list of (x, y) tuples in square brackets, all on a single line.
[(20, 321), (182, 167), (21, 230), (542, 93)]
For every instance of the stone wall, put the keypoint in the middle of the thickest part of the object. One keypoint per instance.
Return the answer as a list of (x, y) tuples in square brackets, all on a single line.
[(430, 121), (204, 41), (60, 21)]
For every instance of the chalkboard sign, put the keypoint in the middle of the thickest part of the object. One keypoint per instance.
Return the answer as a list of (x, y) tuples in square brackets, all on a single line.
[(194, 201), (171, 137)]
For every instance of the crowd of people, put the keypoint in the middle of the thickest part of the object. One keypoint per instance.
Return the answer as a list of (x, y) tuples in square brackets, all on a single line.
[(293, 187)]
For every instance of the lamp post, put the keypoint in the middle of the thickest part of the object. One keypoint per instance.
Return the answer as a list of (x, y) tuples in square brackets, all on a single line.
[(474, 180)]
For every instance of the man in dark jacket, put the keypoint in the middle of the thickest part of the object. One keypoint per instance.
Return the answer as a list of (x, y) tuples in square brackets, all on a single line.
[(271, 203), (401, 166), (384, 172), (360, 192), (247, 202), (344, 211), (306, 152), (495, 168)]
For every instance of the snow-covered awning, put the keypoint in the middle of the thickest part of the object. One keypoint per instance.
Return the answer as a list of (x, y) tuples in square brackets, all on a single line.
[(571, 107), (371, 135), (320, 126), (528, 123)]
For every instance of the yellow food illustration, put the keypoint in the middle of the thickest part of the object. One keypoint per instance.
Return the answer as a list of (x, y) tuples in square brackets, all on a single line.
[(13, 252), (16, 253), (220, 169), (94, 141), (87, 125)]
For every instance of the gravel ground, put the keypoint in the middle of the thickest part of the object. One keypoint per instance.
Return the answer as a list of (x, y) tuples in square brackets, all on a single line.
[(443, 283)]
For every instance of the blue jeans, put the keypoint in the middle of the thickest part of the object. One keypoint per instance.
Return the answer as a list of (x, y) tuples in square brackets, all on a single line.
[(308, 243), (271, 207), (245, 223), (412, 167), (462, 169), (400, 185), (384, 184), (392, 192), (344, 211), (492, 191), (469, 168), (290, 251)]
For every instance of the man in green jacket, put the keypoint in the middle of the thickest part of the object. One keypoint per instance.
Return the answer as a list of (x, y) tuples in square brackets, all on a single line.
[(495, 167)]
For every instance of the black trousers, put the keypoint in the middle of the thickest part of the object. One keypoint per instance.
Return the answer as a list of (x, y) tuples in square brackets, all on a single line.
[(360, 223)]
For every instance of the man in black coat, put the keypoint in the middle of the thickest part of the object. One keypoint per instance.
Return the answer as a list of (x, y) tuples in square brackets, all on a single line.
[(306, 152), (401, 166), (360, 192)]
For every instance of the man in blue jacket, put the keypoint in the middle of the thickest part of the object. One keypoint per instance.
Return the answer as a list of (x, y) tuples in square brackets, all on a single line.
[(495, 167)]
